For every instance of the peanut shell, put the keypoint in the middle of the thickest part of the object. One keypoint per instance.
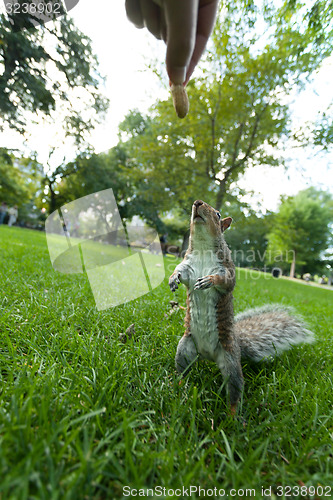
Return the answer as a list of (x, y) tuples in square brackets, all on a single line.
[(180, 100)]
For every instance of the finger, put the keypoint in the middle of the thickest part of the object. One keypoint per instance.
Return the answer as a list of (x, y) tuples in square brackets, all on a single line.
[(134, 14), (206, 21), (163, 26), (152, 17), (181, 21)]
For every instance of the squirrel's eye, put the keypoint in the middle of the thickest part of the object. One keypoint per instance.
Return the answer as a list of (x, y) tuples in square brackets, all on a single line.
[(218, 214)]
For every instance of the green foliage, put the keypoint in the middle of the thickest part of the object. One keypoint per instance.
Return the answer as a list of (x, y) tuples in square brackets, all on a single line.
[(176, 226), (238, 116), (27, 59), (82, 414), (9, 178), (301, 230), (135, 124), (90, 173), (318, 133), (323, 132), (157, 161), (87, 174), (19, 178), (248, 240)]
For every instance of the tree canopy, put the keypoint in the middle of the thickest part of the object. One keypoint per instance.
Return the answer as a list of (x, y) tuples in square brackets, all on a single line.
[(302, 229), (239, 116), (20, 184), (323, 131), (19, 177), (46, 69)]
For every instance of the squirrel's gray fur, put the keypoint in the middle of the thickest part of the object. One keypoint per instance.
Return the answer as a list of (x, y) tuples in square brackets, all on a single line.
[(269, 330), (211, 331)]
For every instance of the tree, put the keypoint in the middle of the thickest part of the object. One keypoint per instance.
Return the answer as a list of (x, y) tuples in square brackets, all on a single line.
[(158, 165), (87, 174), (301, 230), (90, 173), (27, 59), (317, 134), (20, 184), (238, 115), (248, 238), (19, 177), (323, 131)]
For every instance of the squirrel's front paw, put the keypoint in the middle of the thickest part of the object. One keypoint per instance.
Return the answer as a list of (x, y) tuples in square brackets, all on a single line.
[(174, 281), (204, 283)]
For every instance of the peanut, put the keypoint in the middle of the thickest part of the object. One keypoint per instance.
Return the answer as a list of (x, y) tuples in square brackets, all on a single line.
[(180, 100)]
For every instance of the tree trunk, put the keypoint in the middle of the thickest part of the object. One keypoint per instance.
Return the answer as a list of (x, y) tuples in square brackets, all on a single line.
[(220, 195), (52, 204), (293, 266), (223, 186), (185, 243)]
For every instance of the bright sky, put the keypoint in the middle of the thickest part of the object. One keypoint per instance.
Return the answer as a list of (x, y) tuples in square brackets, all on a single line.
[(123, 52)]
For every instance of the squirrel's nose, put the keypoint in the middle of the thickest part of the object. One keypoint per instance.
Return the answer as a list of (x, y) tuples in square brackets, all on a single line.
[(197, 203)]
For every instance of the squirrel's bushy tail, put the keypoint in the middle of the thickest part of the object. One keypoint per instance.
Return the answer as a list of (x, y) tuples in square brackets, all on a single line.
[(269, 330)]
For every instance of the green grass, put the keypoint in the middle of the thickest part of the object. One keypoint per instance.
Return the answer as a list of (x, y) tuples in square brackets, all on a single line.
[(82, 415)]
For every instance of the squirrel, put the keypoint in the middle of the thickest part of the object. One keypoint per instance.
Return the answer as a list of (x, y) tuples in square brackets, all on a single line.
[(211, 330)]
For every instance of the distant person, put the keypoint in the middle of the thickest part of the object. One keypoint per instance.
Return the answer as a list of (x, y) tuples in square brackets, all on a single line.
[(184, 25), (3, 211), (13, 214), (163, 241), (66, 227)]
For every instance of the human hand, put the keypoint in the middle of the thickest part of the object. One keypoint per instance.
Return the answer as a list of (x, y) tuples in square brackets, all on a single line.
[(185, 26)]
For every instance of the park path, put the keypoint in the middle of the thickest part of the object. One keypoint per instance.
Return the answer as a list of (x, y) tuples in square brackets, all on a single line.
[(307, 283)]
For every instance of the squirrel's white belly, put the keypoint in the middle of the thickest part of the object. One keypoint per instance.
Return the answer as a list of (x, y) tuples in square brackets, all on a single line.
[(203, 325)]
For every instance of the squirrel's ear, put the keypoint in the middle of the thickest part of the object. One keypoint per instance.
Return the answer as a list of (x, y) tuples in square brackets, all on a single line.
[(225, 223)]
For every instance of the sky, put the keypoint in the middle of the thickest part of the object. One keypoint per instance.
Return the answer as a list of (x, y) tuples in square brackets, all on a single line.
[(124, 52)]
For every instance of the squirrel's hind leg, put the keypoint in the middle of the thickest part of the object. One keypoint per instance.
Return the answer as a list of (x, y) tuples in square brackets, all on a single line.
[(231, 369), (186, 354)]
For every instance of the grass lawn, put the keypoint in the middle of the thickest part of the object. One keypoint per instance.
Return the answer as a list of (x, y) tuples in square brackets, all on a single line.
[(83, 415)]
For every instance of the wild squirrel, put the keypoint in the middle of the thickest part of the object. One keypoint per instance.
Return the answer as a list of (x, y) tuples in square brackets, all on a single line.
[(211, 331)]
